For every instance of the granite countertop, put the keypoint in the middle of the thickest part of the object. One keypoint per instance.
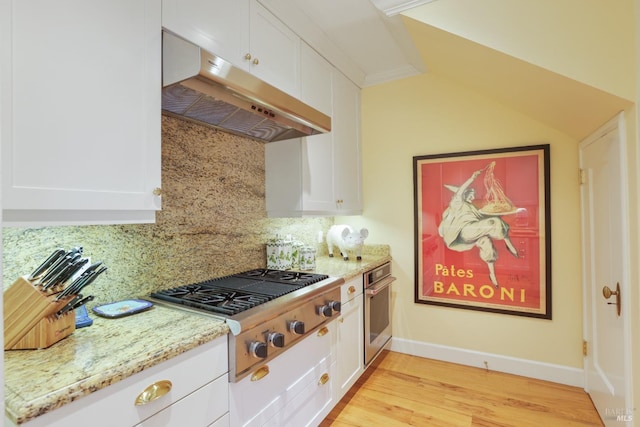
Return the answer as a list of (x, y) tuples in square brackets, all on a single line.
[(110, 350), (338, 267), (39, 381)]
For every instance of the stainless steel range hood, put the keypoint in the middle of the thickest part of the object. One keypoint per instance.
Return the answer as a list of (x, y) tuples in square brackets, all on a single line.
[(200, 86)]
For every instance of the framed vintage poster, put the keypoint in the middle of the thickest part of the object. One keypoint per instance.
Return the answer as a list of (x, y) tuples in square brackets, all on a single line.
[(482, 230)]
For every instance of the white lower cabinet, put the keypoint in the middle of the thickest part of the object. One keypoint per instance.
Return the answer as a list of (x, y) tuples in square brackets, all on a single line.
[(198, 409), (349, 337), (198, 396), (296, 392)]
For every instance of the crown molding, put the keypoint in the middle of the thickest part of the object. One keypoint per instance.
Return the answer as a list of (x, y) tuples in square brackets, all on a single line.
[(394, 7)]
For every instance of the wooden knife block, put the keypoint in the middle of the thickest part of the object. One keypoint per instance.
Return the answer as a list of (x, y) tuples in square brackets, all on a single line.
[(30, 319)]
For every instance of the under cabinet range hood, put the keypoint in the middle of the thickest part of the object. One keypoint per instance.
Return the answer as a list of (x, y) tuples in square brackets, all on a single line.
[(200, 86)]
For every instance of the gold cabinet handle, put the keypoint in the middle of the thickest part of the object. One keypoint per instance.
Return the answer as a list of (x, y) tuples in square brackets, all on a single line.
[(157, 191), (323, 331), (323, 379), (260, 373), (247, 56), (256, 62), (351, 290), (341, 320), (153, 392)]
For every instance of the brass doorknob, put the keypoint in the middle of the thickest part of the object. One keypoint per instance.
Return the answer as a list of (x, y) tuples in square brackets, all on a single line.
[(607, 293)]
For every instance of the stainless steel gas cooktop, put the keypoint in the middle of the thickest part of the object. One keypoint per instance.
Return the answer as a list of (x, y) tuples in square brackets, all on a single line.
[(266, 310)]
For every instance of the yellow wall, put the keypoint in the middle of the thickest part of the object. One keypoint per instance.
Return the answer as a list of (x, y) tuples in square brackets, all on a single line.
[(429, 114)]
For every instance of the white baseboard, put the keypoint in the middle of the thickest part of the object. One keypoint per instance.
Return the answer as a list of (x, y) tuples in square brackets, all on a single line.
[(495, 362)]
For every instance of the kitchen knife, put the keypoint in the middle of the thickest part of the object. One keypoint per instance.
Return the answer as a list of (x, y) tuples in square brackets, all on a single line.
[(71, 271), (69, 306), (86, 272), (63, 274), (92, 267), (81, 282), (47, 263), (90, 279), (77, 303), (54, 272), (66, 274), (71, 253), (82, 302), (55, 268)]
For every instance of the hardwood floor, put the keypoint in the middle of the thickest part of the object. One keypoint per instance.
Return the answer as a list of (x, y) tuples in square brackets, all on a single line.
[(406, 390)]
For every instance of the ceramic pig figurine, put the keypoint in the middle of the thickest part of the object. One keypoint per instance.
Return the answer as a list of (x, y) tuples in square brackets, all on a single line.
[(345, 239)]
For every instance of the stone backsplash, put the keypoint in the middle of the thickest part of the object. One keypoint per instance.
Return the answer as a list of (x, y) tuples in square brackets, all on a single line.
[(213, 221)]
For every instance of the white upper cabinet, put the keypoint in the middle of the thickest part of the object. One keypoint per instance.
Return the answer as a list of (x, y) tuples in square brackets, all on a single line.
[(345, 126), (81, 112), (244, 33), (274, 51), (320, 174), (220, 26), (315, 75)]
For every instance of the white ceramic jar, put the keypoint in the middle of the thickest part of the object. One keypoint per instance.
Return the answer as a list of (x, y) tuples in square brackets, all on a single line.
[(279, 254)]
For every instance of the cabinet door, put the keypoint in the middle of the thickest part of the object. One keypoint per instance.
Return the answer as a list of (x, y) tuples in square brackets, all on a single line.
[(317, 151), (283, 178), (199, 409), (315, 80), (318, 178), (293, 384), (350, 344), (81, 119), (194, 377), (221, 26), (275, 50), (346, 132)]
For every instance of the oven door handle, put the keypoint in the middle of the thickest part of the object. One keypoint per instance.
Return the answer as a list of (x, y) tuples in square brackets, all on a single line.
[(380, 286)]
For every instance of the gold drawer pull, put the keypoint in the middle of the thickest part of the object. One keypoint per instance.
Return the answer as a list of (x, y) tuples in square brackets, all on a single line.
[(260, 373), (324, 331), (153, 392), (323, 379), (351, 290)]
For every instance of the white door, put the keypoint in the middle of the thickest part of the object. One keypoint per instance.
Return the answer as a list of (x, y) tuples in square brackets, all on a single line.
[(605, 233)]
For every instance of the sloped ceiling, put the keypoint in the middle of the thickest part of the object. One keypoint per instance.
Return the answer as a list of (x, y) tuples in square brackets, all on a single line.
[(571, 107)]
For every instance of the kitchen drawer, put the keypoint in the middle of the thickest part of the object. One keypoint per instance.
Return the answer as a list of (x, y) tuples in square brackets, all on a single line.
[(199, 409), (351, 289), (253, 403), (114, 405), (305, 401)]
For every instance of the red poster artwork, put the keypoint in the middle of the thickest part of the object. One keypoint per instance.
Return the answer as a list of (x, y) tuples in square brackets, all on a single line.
[(482, 230)]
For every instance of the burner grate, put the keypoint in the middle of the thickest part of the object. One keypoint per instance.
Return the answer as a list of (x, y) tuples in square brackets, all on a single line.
[(281, 276), (232, 294), (211, 298)]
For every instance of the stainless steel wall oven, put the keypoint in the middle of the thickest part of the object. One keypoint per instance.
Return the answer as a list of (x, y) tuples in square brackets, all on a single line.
[(377, 310)]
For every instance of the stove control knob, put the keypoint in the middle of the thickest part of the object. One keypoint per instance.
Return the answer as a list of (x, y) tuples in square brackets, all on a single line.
[(325, 310), (335, 306), (276, 339), (258, 349), (296, 327)]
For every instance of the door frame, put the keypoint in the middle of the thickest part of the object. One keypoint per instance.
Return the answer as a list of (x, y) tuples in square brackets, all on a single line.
[(617, 122)]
